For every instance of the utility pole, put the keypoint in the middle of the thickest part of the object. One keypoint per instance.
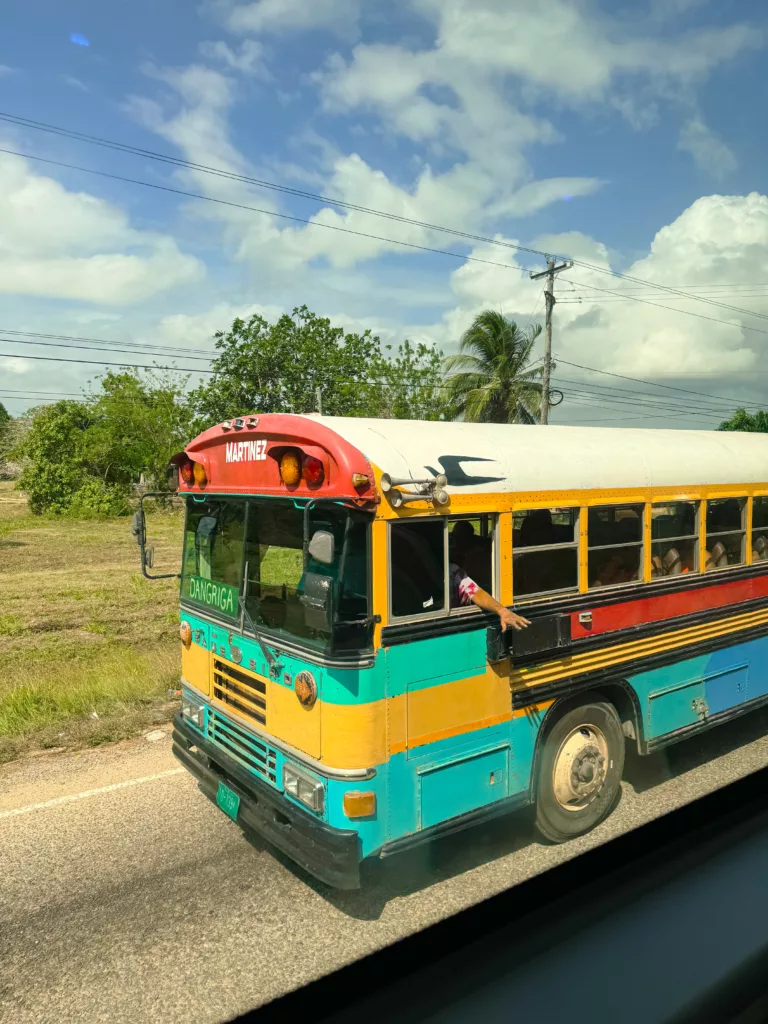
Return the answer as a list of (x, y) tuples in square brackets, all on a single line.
[(549, 296), (319, 398)]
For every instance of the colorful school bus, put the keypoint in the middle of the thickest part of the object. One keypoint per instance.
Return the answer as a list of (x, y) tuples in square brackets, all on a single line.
[(335, 702)]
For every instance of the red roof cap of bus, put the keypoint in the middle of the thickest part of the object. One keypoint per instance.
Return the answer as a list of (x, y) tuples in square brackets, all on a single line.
[(242, 456)]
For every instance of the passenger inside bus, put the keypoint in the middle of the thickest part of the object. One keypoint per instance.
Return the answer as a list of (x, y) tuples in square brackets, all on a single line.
[(472, 553)]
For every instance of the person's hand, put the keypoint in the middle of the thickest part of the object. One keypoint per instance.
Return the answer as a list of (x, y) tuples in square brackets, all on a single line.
[(509, 618)]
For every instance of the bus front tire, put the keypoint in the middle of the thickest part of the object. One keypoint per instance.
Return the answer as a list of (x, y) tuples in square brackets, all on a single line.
[(579, 772)]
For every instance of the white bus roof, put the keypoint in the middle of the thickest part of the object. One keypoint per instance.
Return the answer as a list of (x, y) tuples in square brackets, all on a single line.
[(491, 458)]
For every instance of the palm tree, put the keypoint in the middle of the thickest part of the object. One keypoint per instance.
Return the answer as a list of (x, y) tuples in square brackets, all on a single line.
[(491, 379)]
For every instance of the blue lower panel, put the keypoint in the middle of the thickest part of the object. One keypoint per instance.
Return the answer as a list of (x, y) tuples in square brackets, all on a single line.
[(462, 786), (695, 689)]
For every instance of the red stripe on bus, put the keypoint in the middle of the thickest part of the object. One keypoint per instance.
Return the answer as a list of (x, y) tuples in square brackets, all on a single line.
[(668, 606)]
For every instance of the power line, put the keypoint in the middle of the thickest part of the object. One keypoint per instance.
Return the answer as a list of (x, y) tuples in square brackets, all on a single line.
[(674, 309), (108, 341), (267, 213), (274, 186), (137, 349), (99, 362), (639, 380)]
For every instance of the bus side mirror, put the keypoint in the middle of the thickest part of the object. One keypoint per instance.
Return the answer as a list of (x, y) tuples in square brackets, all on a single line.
[(149, 557), (138, 528), (322, 547), (317, 598)]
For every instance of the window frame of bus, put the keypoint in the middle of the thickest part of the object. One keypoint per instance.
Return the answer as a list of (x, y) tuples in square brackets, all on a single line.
[(695, 537), (640, 576), (191, 500), (558, 546), (761, 531), (742, 532), (446, 611), (277, 636)]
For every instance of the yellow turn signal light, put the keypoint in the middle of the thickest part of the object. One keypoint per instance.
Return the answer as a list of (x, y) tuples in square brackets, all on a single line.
[(185, 632), (200, 475), (359, 805), (290, 468)]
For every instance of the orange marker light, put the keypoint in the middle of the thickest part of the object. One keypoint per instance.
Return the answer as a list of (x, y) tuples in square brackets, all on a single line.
[(359, 805), (188, 472), (290, 469), (185, 633), (199, 474), (314, 473)]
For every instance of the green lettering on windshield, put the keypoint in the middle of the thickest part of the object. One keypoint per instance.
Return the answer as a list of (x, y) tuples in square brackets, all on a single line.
[(220, 596)]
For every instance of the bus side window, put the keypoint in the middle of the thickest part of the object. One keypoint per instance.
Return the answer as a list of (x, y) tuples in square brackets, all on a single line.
[(674, 538), (759, 529), (545, 551), (725, 532), (615, 540), (470, 546), (417, 566)]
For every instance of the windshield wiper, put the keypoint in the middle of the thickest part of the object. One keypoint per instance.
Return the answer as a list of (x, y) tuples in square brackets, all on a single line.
[(274, 664)]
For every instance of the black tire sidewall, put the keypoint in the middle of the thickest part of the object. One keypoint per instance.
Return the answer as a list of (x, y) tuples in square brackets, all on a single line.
[(555, 823)]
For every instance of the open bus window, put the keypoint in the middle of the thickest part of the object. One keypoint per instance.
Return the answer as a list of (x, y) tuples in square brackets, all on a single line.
[(725, 532), (759, 529), (615, 537), (674, 538), (545, 548), (470, 546), (417, 562)]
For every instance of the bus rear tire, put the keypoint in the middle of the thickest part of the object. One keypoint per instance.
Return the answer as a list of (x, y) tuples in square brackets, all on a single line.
[(579, 771)]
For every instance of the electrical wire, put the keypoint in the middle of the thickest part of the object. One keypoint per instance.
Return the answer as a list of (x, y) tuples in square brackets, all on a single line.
[(274, 186)]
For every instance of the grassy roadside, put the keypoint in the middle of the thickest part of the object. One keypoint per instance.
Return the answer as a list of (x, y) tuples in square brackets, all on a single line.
[(89, 647)]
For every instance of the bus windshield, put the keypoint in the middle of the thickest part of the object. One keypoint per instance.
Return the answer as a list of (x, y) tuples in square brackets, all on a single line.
[(226, 538)]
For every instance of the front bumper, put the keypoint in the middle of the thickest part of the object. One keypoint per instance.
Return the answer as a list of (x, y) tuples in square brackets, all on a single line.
[(330, 854)]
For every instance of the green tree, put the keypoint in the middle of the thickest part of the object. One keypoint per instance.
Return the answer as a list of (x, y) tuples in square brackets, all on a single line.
[(5, 416), (83, 457), (491, 379), (743, 420), (263, 367)]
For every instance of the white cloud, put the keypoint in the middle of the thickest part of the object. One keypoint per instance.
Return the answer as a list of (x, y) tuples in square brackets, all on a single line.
[(5, 71), (469, 195), (197, 330), (72, 245), (249, 60), (75, 83), (14, 365), (561, 49), (709, 152), (340, 16), (716, 242)]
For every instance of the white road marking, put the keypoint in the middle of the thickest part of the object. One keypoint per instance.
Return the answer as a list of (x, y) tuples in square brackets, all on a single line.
[(57, 801)]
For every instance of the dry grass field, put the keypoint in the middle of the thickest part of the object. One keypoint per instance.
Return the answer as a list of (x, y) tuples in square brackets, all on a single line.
[(89, 647)]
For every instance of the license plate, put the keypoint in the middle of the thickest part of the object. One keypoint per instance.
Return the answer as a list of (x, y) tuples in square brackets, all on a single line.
[(228, 801)]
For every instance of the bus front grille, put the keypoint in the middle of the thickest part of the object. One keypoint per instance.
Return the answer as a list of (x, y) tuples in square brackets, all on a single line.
[(243, 692), (243, 747)]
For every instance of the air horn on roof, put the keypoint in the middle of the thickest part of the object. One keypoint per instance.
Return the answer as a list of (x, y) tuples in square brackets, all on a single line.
[(431, 489)]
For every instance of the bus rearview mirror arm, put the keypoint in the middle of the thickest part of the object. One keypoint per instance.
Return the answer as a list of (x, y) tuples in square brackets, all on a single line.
[(139, 531)]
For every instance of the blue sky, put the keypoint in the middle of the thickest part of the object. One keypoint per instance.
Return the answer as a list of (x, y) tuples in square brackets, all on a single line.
[(629, 137)]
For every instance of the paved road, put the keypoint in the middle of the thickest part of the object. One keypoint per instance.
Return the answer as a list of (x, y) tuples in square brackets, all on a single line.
[(128, 897)]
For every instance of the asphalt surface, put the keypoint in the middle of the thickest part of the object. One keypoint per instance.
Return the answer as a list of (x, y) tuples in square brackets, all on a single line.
[(129, 897)]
